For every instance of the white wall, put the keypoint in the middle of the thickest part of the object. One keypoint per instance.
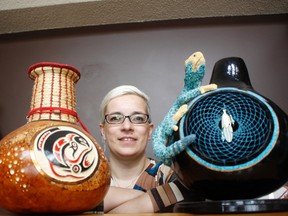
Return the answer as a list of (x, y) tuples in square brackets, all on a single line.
[(150, 56)]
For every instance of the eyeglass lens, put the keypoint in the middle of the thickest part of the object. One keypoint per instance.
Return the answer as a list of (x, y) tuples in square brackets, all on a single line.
[(138, 118)]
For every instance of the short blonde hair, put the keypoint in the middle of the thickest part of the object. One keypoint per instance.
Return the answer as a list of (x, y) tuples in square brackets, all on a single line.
[(120, 91)]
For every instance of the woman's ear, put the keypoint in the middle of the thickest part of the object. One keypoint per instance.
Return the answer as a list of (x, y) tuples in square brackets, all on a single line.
[(151, 130), (103, 135), (102, 131)]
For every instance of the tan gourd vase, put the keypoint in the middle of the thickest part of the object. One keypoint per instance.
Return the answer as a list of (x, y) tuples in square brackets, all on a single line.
[(52, 165)]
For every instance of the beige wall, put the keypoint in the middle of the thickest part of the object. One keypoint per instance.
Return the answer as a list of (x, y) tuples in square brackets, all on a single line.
[(148, 55), (31, 15)]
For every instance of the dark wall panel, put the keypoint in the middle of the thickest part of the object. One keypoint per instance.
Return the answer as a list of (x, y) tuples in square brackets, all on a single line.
[(150, 56)]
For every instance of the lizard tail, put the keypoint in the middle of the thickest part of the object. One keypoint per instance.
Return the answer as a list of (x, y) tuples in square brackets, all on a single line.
[(165, 153), (178, 146)]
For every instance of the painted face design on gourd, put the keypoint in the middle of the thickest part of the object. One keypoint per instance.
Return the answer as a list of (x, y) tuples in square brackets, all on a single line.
[(65, 153)]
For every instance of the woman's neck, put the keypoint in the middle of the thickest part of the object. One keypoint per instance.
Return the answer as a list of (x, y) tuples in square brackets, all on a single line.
[(128, 169)]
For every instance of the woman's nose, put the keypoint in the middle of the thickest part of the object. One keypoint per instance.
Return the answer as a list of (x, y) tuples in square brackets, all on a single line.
[(127, 124)]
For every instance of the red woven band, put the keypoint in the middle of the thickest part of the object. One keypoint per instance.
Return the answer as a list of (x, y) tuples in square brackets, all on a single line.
[(57, 110)]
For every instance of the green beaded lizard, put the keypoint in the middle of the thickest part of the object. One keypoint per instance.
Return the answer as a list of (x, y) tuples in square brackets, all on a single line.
[(194, 73)]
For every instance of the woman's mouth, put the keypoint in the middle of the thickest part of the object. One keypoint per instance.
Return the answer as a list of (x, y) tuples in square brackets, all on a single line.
[(127, 139)]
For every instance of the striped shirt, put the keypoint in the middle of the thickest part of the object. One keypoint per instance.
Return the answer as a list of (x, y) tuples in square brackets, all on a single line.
[(159, 181)]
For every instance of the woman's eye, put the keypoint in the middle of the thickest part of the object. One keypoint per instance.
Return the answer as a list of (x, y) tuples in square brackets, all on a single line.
[(115, 118)]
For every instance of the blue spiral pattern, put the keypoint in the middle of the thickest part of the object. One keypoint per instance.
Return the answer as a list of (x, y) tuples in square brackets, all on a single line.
[(255, 129)]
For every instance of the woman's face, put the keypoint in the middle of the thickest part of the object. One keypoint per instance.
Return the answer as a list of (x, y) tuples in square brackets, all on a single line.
[(127, 140)]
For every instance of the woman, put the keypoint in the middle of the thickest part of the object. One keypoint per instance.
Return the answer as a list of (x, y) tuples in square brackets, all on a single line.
[(138, 183)]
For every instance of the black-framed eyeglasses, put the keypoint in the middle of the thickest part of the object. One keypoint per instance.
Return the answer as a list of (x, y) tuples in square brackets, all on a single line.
[(118, 118)]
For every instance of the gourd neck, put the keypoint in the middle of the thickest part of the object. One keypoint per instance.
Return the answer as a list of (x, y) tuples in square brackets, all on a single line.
[(53, 95)]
